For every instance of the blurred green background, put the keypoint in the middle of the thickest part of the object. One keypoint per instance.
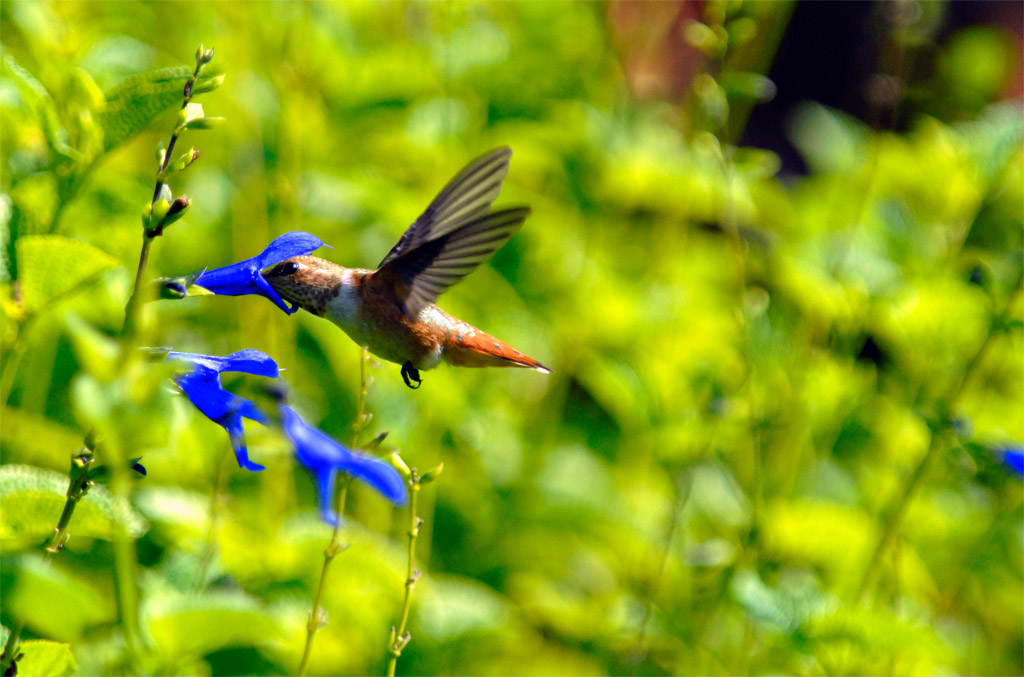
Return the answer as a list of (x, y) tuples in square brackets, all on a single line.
[(781, 335)]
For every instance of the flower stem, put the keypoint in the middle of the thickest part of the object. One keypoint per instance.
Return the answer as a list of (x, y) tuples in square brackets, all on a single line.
[(131, 309), (212, 517), (78, 487), (362, 419), (316, 616), (400, 637)]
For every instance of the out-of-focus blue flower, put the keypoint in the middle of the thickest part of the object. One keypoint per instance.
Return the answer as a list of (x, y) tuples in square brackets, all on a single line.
[(246, 277), (324, 457), (203, 389), (1013, 458)]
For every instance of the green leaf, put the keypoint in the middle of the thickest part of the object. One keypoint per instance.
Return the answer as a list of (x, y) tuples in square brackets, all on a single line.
[(39, 99), (34, 498), (55, 602), (52, 265), (46, 659), (134, 103), (198, 625), (455, 607), (96, 352), (858, 640), (31, 438), (838, 538), (178, 512)]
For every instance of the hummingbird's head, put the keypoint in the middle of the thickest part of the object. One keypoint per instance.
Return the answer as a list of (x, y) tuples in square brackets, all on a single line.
[(308, 282)]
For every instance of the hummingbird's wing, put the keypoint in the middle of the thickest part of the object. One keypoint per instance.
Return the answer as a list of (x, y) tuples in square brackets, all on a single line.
[(471, 192), (418, 276)]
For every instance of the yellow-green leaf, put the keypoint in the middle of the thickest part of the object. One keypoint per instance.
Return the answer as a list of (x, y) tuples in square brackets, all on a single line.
[(55, 602), (52, 266), (33, 499), (46, 659)]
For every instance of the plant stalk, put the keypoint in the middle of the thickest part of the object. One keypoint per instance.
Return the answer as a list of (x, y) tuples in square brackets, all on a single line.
[(131, 309), (316, 620), (212, 517), (78, 487), (400, 637), (335, 547)]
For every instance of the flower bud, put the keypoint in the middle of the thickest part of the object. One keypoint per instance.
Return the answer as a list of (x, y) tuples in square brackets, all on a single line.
[(176, 210), (102, 475), (190, 114), (180, 287), (173, 288), (160, 208), (208, 84), (398, 464), (374, 444), (206, 123), (185, 160), (432, 475)]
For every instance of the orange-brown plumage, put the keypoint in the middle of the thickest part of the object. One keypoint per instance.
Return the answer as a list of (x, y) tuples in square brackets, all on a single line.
[(390, 310)]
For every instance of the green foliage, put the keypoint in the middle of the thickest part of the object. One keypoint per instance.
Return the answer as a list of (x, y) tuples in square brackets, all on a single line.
[(46, 659), (194, 626), (53, 266), (749, 366), (33, 499), (134, 103), (39, 589)]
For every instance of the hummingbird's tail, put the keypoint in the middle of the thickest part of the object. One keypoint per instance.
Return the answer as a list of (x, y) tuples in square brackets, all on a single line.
[(477, 349)]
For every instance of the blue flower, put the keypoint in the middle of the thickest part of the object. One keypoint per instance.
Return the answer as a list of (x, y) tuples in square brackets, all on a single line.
[(1013, 458), (246, 277), (203, 389), (324, 457)]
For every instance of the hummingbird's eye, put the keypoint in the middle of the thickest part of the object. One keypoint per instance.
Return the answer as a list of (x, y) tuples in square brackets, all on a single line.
[(286, 268)]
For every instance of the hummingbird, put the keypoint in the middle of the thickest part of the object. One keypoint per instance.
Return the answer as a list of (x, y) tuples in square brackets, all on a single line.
[(391, 310)]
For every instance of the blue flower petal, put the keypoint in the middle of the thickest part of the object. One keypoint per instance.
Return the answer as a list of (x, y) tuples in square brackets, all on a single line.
[(379, 475), (233, 424), (203, 388), (320, 453), (326, 479), (246, 277), (251, 361), (1013, 458), (295, 243), (207, 395), (271, 293)]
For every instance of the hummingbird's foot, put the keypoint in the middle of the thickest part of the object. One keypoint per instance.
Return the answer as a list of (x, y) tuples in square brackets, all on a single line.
[(410, 374)]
